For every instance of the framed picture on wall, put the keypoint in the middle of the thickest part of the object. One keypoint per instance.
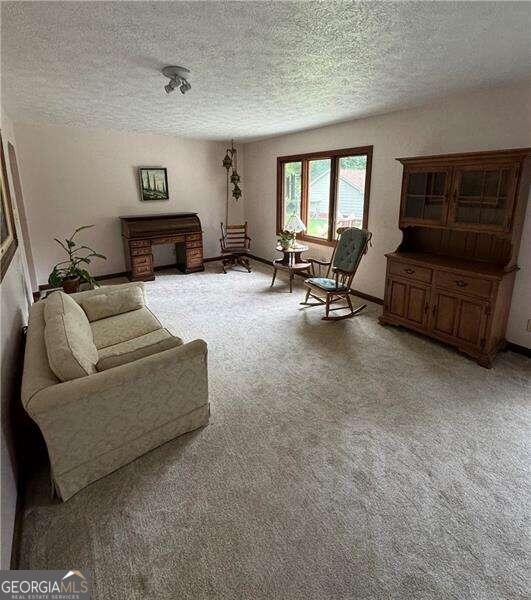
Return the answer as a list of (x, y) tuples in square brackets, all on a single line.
[(153, 183), (8, 236)]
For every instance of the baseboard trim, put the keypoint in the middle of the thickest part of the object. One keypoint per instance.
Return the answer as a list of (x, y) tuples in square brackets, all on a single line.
[(47, 286), (260, 259), (518, 349), (213, 258), (357, 293), (368, 297)]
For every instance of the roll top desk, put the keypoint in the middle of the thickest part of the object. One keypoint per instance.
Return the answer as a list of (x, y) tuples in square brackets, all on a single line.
[(141, 232)]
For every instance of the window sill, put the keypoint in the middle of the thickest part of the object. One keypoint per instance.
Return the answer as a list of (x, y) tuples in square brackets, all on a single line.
[(315, 240)]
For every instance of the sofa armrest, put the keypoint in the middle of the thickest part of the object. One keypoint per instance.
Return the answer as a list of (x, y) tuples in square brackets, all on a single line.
[(93, 415), (119, 379)]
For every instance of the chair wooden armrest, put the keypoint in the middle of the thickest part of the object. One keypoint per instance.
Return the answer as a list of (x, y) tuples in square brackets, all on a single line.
[(321, 263)]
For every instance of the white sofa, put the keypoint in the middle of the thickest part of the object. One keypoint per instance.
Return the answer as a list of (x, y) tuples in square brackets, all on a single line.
[(105, 382)]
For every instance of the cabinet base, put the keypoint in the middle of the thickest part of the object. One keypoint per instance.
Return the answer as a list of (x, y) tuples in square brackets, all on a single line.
[(481, 358)]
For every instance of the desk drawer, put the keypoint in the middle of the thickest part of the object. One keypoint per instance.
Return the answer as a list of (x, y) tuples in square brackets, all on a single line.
[(140, 251), (193, 237), (139, 243), (194, 253), (139, 261), (198, 244), (410, 271), (142, 270), (172, 239), (466, 285)]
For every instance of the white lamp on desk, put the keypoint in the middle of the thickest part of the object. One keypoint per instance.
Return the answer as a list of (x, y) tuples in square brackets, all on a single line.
[(295, 225)]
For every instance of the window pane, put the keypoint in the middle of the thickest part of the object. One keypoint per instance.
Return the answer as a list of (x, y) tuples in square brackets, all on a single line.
[(319, 198), (351, 191), (292, 189)]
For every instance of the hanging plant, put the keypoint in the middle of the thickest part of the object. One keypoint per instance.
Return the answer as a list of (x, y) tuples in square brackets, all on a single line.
[(236, 192), (230, 162)]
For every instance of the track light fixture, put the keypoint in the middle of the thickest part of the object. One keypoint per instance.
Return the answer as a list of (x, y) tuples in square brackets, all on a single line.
[(178, 79)]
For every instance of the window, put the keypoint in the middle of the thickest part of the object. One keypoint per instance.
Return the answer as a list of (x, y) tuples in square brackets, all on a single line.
[(326, 189)]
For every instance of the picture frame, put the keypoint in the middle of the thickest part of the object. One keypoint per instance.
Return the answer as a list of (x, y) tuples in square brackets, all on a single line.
[(153, 184), (8, 234)]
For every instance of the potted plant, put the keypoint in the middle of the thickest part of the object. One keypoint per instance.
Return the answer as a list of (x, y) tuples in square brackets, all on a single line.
[(70, 273), (286, 239)]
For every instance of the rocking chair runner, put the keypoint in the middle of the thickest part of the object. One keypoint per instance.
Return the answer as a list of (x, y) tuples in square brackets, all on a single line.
[(235, 244), (352, 244)]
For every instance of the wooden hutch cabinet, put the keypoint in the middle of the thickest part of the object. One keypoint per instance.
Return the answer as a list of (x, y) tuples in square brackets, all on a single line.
[(452, 276)]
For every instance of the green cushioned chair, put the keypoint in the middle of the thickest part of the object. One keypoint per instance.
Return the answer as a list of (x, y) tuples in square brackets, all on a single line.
[(334, 287)]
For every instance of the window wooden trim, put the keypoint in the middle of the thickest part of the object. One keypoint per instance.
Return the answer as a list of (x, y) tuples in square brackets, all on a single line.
[(333, 155)]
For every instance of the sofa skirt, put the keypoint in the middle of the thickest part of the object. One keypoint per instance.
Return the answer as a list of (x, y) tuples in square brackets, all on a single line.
[(72, 481)]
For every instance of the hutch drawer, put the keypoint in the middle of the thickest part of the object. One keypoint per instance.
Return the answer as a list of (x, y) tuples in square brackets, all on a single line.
[(410, 271), (466, 285)]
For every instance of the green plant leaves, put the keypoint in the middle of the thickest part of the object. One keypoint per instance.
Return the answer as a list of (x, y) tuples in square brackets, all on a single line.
[(70, 267)]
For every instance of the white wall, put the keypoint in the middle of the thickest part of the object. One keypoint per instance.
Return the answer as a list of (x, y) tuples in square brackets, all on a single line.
[(14, 300), (76, 176), (488, 120)]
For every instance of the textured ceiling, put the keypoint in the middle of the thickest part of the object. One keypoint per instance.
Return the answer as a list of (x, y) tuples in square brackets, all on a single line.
[(258, 68)]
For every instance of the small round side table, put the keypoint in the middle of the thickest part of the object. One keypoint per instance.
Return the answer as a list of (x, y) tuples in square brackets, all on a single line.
[(292, 262)]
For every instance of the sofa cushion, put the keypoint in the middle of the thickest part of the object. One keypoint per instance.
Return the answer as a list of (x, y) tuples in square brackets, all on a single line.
[(124, 327), (145, 345), (112, 302), (68, 337)]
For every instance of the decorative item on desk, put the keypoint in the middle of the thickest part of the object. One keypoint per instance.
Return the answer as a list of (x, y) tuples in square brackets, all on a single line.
[(295, 225), (70, 273)]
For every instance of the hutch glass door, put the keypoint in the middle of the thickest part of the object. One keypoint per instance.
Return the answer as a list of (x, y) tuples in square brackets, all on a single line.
[(483, 197), (424, 196)]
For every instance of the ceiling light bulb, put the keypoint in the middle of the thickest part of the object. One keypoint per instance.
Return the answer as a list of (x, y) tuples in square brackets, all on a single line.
[(170, 86)]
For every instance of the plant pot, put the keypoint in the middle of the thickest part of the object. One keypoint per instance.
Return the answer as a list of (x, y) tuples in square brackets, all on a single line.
[(71, 284)]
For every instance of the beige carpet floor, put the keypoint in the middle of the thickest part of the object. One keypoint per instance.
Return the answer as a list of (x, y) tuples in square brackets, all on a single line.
[(343, 461)]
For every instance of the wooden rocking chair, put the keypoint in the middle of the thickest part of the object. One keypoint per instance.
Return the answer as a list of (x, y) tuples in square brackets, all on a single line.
[(351, 245), (235, 244)]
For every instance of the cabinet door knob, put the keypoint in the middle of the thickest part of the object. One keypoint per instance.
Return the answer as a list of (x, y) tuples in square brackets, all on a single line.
[(410, 271), (460, 283)]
